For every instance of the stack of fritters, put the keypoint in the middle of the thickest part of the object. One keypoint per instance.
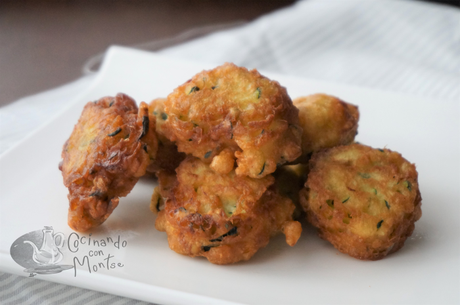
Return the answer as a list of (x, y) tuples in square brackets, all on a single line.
[(363, 200), (238, 162), (326, 122), (236, 126)]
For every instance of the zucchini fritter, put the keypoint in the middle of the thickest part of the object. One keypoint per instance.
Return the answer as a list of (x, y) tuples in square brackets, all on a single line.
[(326, 122), (289, 180), (163, 192), (109, 149), (167, 158), (363, 200), (223, 217), (231, 107)]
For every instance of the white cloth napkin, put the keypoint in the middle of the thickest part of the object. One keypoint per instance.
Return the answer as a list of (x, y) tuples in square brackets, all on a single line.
[(404, 46)]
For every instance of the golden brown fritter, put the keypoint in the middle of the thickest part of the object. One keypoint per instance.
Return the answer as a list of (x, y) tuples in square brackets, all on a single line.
[(157, 113), (326, 122), (163, 192), (231, 107), (108, 150), (224, 162), (223, 217), (363, 200), (168, 157), (289, 180)]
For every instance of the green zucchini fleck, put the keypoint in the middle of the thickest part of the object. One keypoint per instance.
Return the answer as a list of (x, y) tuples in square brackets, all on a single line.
[(164, 116), (208, 154), (233, 231), (231, 127), (330, 203), (259, 92), (97, 193), (145, 126), (346, 199), (364, 175), (194, 89), (387, 204), (408, 185), (207, 248), (117, 131), (379, 224), (158, 204), (381, 150), (263, 168), (375, 191)]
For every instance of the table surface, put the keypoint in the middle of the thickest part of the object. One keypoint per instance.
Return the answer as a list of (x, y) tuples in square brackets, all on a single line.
[(46, 43)]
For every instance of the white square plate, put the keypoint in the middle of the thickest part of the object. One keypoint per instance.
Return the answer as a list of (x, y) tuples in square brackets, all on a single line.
[(130, 258)]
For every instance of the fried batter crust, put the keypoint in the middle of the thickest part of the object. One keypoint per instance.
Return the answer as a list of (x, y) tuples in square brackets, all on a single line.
[(224, 162), (168, 157), (363, 200), (166, 182), (109, 149), (223, 217), (289, 180), (231, 107), (326, 122)]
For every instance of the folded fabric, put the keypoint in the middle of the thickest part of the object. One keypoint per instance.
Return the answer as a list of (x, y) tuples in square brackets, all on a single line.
[(403, 46)]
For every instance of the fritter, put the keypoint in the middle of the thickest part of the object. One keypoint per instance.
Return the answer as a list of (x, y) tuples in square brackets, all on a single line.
[(168, 157), (233, 108), (363, 200), (289, 180), (224, 162), (109, 149), (163, 192), (223, 217), (326, 122)]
